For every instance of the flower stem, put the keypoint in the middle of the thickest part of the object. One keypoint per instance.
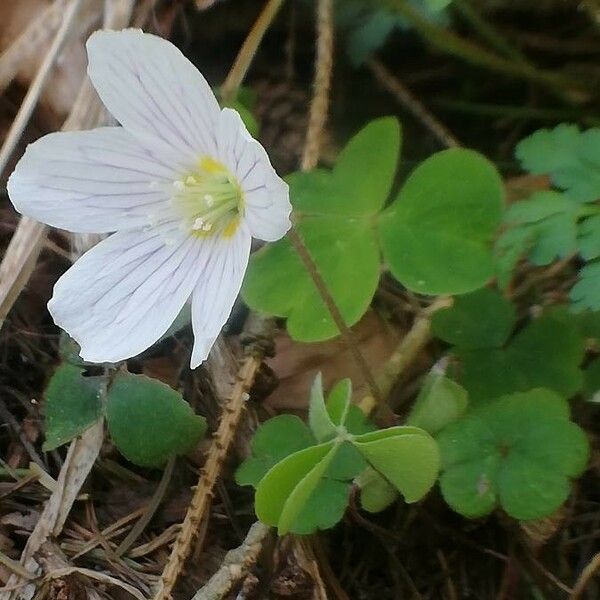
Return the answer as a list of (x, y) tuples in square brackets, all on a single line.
[(240, 67)]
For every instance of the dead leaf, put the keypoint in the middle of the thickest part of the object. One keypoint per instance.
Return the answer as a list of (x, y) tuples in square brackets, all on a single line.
[(296, 364)]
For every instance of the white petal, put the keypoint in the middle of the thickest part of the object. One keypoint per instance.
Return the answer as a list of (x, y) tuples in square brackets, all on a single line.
[(153, 90), (225, 262), (123, 294), (91, 181), (266, 195)]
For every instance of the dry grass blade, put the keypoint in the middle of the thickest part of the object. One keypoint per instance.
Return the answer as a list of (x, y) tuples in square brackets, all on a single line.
[(98, 576), (19, 261), (33, 37), (33, 94), (78, 463), (223, 438)]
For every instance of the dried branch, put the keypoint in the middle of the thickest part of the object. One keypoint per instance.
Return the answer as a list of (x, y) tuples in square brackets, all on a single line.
[(236, 564), (222, 441)]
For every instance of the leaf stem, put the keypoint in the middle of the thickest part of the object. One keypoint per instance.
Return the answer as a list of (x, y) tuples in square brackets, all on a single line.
[(319, 109), (240, 67), (453, 44)]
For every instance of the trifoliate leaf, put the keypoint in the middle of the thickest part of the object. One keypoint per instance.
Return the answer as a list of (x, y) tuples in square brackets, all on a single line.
[(440, 402), (284, 491), (545, 353), (324, 507), (149, 421), (569, 156), (437, 236), (481, 319), (335, 212), (376, 493), (407, 457), (319, 420), (517, 452), (273, 441), (72, 404), (585, 294)]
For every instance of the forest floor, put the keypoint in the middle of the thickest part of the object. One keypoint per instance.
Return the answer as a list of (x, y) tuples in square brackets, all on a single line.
[(443, 97)]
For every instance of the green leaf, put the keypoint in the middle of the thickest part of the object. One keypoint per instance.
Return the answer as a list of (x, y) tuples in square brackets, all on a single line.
[(335, 213), (149, 422), (72, 404), (324, 507), (546, 353), (343, 412), (273, 441), (302, 492), (569, 156), (407, 457), (363, 156), (589, 238), (441, 401), (376, 494), (550, 218), (437, 235), (517, 452), (585, 294), (276, 487), (481, 319), (318, 417)]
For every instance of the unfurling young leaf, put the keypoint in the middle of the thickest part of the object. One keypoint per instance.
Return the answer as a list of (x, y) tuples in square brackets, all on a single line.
[(149, 421), (517, 452), (72, 404), (302, 485), (319, 420)]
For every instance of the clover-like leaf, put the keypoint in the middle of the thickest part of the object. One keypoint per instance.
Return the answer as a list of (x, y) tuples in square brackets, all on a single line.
[(285, 490), (568, 155), (481, 319), (335, 212), (545, 353), (437, 236), (376, 493), (273, 441), (440, 402), (149, 421), (72, 404), (518, 452), (407, 457)]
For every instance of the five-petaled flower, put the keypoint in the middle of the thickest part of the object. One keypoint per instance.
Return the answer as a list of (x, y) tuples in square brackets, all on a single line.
[(181, 182)]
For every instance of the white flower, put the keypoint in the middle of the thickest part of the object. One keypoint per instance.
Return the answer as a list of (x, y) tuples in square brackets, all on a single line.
[(183, 185)]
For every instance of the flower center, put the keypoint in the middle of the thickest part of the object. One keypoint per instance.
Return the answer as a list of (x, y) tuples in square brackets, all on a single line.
[(209, 199)]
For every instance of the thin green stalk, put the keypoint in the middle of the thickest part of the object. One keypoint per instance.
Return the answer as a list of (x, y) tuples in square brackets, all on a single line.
[(487, 32), (246, 54), (453, 44)]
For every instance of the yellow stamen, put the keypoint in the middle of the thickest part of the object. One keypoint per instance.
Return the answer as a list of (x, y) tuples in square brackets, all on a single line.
[(209, 199)]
